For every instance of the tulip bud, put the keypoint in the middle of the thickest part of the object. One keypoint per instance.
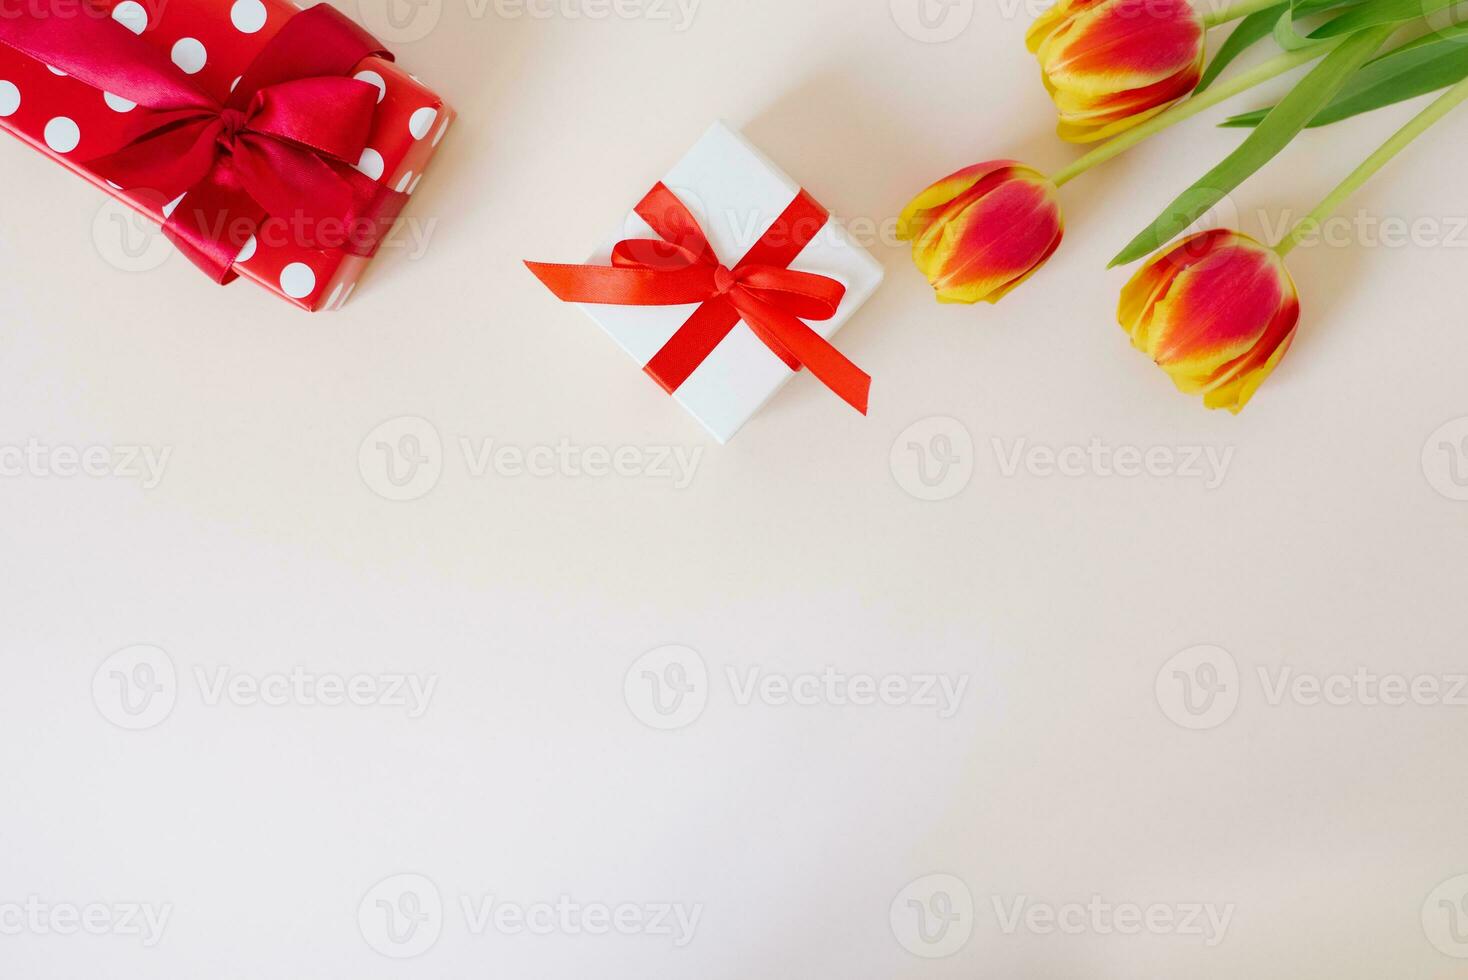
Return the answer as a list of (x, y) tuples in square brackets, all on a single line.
[(981, 232), (1110, 64), (1217, 312)]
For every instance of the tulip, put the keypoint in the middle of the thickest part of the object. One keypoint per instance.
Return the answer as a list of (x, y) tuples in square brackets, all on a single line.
[(1111, 64), (979, 233), (1217, 312)]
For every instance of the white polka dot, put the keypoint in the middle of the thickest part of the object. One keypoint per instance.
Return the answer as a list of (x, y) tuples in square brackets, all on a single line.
[(9, 98), (441, 130), (62, 134), (406, 179), (248, 252), (130, 14), (117, 103), (416, 181), (297, 280), (371, 163), (172, 206), (422, 121), (247, 16), (56, 71), (373, 78), (189, 55)]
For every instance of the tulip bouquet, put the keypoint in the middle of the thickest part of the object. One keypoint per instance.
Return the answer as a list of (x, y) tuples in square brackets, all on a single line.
[(1216, 310)]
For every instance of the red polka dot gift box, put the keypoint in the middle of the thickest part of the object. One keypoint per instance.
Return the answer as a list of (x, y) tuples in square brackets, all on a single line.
[(269, 142)]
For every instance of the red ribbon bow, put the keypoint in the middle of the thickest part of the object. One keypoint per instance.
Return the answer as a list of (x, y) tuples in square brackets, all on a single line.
[(762, 290), (282, 145)]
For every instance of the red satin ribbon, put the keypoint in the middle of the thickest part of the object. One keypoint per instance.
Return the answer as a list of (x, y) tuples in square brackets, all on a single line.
[(283, 145), (761, 290)]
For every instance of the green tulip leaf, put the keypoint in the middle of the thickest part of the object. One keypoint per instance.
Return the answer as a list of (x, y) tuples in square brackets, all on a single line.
[(1304, 8), (1272, 135), (1374, 13), (1285, 33), (1251, 30), (1286, 36), (1278, 20), (1428, 64)]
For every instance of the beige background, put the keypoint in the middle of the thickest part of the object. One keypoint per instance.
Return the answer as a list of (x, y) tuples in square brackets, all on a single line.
[(1333, 833)]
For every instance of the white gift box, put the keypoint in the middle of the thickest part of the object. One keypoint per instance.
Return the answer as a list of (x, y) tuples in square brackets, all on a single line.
[(736, 194)]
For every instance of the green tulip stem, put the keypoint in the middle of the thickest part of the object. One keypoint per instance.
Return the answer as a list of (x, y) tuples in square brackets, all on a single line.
[(1311, 223), (1238, 11), (1209, 98)]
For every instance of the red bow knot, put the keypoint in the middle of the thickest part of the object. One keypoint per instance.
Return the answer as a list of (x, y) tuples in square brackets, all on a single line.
[(762, 291), (282, 145), (232, 123), (724, 280)]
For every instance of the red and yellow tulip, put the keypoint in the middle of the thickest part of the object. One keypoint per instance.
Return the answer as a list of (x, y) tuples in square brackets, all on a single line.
[(979, 233), (1110, 64), (1217, 312)]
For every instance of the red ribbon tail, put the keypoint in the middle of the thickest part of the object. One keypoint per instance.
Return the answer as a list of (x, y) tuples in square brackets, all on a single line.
[(784, 333), (213, 222), (626, 285), (851, 383)]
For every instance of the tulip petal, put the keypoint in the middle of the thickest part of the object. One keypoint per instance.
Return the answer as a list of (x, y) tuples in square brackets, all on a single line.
[(1238, 393), (1053, 18), (979, 233), (1217, 312), (1140, 296), (1043, 26), (1240, 381), (1110, 64), (994, 243), (934, 201), (1014, 284), (1083, 121), (1124, 44), (1218, 306)]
